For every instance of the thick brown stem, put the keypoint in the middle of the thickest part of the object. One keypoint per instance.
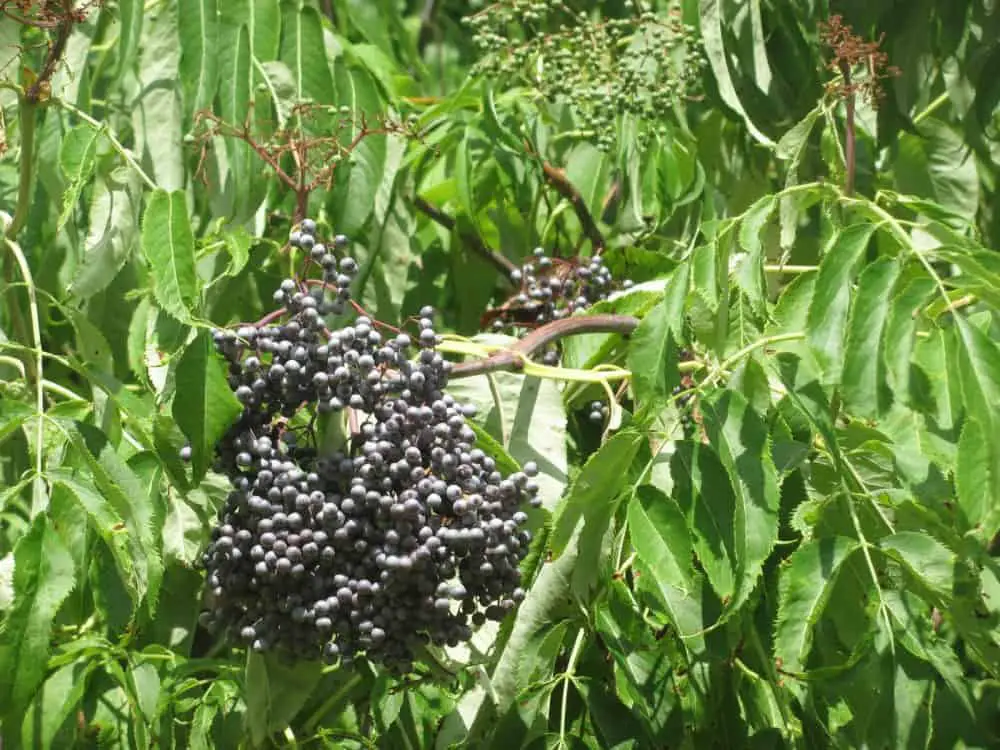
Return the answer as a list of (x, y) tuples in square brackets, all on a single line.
[(501, 263), (556, 177), (514, 357)]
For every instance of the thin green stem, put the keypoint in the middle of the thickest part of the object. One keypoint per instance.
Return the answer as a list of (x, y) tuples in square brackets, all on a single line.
[(856, 522), (749, 348), (115, 143), (498, 402), (931, 108), (26, 167), (36, 336), (567, 677)]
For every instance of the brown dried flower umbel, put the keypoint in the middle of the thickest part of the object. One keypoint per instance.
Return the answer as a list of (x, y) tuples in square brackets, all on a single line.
[(853, 55)]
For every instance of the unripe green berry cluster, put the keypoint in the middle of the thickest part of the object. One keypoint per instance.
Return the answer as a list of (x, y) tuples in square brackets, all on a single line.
[(638, 65)]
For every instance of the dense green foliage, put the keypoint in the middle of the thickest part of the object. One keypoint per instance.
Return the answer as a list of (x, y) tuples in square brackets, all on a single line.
[(778, 528)]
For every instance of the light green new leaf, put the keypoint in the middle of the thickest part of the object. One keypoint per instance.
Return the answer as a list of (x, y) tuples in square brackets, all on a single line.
[(654, 346), (828, 311), (168, 244), (77, 157), (924, 557), (864, 371), (659, 534), (594, 495), (44, 576), (807, 579), (204, 407), (739, 435), (112, 234)]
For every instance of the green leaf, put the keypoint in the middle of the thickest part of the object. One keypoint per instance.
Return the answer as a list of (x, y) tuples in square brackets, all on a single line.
[(864, 370), (828, 311), (168, 244), (750, 271), (44, 576), (739, 435), (705, 498), (900, 334), (238, 184), (302, 50), (659, 534), (594, 494), (275, 693), (204, 407), (655, 344), (198, 29), (976, 479), (713, 37), (129, 34), (48, 722), (77, 157), (936, 163), (157, 108), (126, 548), (125, 493), (807, 580), (927, 560), (112, 234)]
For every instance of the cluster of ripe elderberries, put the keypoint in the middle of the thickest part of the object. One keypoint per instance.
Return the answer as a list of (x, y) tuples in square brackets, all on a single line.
[(638, 63), (406, 535), (551, 289)]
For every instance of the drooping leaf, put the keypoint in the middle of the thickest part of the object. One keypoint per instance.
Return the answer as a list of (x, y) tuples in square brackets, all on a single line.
[(935, 163), (77, 158), (112, 234), (713, 36), (168, 243), (204, 406)]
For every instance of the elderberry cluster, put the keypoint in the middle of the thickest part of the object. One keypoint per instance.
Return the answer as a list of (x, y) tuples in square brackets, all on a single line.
[(551, 289), (404, 534)]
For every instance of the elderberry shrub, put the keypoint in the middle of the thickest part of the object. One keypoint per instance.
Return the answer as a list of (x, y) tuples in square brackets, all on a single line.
[(408, 535)]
